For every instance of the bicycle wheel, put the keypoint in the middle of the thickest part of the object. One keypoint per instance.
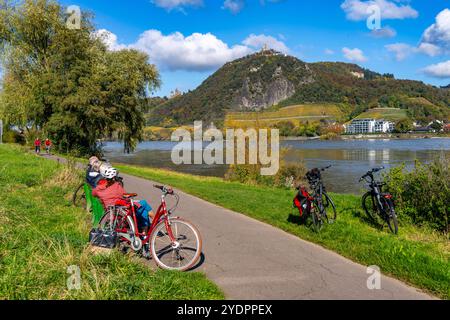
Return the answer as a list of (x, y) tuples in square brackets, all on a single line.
[(329, 204), (181, 255), (119, 223), (316, 218), (79, 197), (370, 207), (390, 215)]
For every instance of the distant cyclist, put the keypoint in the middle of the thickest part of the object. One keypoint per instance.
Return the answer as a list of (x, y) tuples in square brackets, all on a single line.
[(48, 145), (37, 145)]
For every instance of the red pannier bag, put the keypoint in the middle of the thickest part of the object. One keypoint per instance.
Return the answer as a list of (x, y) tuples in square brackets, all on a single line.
[(300, 200)]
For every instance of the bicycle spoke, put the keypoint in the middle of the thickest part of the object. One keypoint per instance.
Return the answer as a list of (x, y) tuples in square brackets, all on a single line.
[(180, 257)]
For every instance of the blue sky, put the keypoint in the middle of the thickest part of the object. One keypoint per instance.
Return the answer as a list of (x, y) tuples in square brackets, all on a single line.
[(189, 39)]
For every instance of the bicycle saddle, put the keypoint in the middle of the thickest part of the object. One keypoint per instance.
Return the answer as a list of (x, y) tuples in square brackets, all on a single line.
[(130, 195)]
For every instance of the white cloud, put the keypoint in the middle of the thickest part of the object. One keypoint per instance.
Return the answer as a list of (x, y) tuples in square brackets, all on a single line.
[(109, 39), (258, 41), (196, 52), (429, 49), (355, 54), (329, 51), (386, 32), (357, 10), (440, 70), (438, 35), (235, 6), (401, 50), (176, 4)]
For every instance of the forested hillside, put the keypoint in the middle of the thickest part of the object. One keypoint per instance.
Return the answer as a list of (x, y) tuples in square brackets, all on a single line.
[(268, 79)]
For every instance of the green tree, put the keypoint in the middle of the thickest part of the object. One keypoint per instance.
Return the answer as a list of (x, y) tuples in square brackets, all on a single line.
[(404, 126)]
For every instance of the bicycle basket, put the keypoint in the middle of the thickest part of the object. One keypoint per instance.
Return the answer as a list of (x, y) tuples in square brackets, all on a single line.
[(103, 239)]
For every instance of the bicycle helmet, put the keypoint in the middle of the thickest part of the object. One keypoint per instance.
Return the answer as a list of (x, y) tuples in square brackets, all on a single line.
[(108, 172)]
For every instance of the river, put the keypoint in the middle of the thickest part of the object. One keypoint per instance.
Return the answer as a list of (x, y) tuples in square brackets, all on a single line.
[(350, 159)]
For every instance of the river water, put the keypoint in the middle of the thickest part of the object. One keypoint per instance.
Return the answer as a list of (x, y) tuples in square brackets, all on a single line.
[(350, 159)]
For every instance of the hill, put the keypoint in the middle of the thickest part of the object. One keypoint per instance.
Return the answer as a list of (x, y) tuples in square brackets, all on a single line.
[(268, 78)]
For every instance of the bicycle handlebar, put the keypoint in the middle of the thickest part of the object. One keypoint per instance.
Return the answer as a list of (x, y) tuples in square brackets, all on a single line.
[(164, 189), (370, 173)]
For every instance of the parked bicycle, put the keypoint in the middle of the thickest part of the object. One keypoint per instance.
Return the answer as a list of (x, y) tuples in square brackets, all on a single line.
[(319, 205), (377, 204), (172, 242)]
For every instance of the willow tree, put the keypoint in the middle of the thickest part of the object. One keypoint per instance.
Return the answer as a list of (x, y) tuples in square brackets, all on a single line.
[(65, 82)]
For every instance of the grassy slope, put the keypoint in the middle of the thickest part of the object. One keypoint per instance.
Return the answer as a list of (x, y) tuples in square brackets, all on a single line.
[(41, 234), (298, 113), (417, 256)]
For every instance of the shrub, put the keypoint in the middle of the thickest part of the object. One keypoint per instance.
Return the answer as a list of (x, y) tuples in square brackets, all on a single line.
[(286, 128), (10, 136), (423, 194), (289, 175)]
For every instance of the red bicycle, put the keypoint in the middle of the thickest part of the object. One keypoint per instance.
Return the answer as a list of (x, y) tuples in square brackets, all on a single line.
[(172, 242)]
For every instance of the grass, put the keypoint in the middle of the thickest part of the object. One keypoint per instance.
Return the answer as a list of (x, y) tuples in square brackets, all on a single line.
[(296, 114), (417, 256), (389, 114), (41, 235)]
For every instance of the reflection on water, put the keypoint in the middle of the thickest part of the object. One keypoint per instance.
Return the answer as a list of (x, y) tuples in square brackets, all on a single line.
[(350, 159)]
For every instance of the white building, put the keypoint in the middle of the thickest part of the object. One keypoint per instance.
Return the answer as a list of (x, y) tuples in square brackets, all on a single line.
[(365, 126)]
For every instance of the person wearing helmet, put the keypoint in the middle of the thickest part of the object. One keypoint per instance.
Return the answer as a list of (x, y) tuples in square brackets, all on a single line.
[(111, 192), (93, 175)]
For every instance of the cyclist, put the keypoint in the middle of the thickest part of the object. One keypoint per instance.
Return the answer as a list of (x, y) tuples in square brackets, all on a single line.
[(37, 145), (111, 192)]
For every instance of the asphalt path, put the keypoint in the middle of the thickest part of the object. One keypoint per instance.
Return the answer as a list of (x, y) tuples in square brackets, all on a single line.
[(250, 260)]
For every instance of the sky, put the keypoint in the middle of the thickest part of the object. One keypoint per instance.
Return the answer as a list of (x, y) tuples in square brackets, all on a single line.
[(188, 40)]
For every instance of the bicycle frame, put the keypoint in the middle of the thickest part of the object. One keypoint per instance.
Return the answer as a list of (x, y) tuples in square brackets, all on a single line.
[(161, 214), (377, 193)]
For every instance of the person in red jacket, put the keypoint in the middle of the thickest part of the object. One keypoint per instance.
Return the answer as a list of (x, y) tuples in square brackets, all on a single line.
[(111, 192), (48, 145), (37, 145)]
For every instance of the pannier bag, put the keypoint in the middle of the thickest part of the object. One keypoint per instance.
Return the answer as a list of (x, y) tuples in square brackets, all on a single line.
[(103, 239), (300, 201)]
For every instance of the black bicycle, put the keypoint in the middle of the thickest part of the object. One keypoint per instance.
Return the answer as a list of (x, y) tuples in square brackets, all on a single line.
[(379, 205), (324, 205)]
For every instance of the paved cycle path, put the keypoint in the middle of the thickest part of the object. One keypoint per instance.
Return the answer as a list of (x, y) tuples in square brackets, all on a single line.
[(250, 260)]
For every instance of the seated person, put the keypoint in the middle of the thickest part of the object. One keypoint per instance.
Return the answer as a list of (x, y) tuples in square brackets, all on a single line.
[(93, 175), (111, 192)]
